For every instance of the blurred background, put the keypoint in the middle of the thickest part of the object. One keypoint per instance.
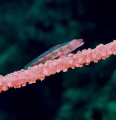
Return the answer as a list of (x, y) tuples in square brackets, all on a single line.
[(30, 27)]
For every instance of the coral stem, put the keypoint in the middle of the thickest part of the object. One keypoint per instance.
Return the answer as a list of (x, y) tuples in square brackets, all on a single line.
[(38, 72)]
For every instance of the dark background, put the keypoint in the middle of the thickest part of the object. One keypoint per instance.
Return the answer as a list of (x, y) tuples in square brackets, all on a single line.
[(30, 27)]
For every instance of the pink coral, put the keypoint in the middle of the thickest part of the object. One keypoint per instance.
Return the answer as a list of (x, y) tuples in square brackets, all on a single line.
[(38, 72)]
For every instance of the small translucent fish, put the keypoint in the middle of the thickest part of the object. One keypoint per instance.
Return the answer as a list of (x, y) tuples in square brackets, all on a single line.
[(56, 51)]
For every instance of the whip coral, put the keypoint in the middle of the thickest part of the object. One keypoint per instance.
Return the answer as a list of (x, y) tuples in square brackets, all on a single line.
[(38, 72)]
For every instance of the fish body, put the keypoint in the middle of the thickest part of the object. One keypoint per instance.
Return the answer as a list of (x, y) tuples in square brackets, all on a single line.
[(56, 51)]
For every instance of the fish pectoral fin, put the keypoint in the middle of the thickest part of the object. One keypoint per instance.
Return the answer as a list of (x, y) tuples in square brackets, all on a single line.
[(61, 56)]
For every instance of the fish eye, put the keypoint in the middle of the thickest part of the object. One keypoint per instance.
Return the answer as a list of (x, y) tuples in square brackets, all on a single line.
[(75, 42)]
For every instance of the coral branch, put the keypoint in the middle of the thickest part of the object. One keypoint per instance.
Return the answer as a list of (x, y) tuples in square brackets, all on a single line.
[(38, 72)]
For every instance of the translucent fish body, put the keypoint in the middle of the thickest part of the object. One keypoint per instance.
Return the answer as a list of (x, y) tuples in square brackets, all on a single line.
[(56, 51)]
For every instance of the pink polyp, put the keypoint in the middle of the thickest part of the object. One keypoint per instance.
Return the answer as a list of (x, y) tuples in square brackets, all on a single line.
[(38, 72)]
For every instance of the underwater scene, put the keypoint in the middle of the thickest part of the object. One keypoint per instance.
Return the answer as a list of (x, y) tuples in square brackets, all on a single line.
[(36, 36)]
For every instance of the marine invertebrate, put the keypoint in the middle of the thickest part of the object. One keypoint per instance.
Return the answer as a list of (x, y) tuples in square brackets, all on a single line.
[(38, 72)]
